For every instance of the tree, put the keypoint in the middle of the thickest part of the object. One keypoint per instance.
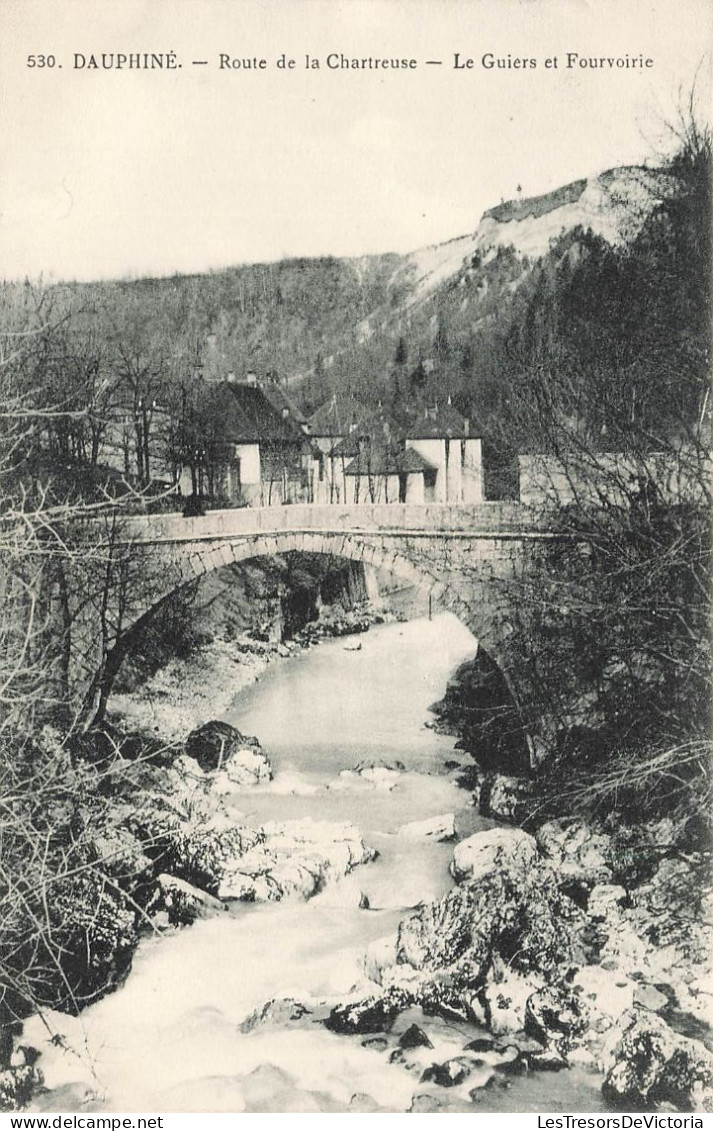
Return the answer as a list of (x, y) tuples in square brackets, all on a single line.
[(610, 624)]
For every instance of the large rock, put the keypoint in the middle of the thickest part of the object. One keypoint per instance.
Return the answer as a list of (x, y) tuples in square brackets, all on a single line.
[(371, 1015), (492, 850), (213, 743), (579, 855), (202, 854), (647, 1062), (267, 864), (513, 914)]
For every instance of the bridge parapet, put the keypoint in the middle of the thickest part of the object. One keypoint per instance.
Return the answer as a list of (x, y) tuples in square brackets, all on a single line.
[(497, 518)]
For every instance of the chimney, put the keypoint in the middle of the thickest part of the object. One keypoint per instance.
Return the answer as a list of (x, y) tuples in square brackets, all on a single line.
[(250, 378), (230, 378)]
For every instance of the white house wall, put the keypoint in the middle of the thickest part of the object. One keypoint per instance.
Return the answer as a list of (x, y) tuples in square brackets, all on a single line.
[(434, 452), (473, 471), (454, 471), (249, 456)]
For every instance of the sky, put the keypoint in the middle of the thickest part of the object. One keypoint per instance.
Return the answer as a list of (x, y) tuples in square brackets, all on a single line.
[(110, 173)]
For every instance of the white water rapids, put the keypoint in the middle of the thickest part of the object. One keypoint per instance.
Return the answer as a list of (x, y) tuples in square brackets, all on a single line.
[(169, 1039)]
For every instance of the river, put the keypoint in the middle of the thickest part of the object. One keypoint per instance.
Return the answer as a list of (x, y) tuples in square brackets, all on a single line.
[(169, 1039)]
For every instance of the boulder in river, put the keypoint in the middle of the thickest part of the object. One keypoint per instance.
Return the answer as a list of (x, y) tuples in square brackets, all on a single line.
[(414, 1037), (236, 862), (513, 913), (278, 1012), (451, 1073), (371, 1015), (212, 744)]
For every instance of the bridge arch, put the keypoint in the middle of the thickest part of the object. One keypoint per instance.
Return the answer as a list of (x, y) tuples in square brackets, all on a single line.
[(198, 559)]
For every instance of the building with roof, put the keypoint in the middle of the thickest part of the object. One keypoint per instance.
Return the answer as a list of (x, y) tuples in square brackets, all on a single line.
[(442, 437), (262, 455), (330, 428), (372, 457)]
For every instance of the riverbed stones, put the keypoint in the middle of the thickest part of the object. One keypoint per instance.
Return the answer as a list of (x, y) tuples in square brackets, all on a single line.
[(646, 1061), (438, 828), (266, 864)]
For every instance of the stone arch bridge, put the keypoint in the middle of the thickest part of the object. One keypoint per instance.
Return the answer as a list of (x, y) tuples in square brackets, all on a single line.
[(459, 556)]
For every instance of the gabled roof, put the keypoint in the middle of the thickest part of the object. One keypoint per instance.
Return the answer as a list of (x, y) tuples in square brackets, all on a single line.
[(280, 400), (337, 416), (388, 460), (437, 423), (252, 416), (376, 429)]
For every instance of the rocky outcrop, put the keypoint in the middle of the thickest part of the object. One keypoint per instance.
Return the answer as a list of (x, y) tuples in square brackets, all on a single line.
[(507, 918), (646, 1061), (604, 977)]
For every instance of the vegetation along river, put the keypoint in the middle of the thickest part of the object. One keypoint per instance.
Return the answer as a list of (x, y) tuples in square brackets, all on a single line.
[(170, 1038)]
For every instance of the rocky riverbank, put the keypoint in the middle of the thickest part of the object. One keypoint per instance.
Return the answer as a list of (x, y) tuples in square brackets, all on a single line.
[(171, 850), (562, 947), (552, 945)]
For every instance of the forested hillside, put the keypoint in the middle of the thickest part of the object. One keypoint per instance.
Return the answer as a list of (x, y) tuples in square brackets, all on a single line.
[(595, 295)]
